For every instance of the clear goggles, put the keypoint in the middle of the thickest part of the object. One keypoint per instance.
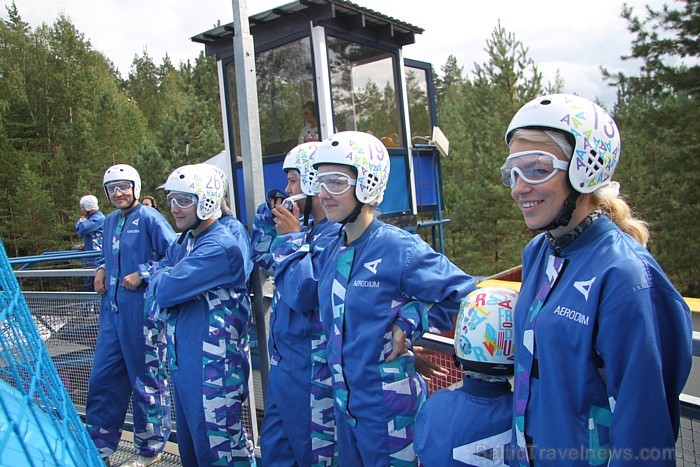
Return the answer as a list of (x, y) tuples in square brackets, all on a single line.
[(123, 186), (183, 200), (532, 167), (335, 183)]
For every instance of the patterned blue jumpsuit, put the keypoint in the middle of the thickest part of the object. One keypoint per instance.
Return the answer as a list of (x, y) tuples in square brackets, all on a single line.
[(130, 348), (200, 288), (384, 277), (298, 428)]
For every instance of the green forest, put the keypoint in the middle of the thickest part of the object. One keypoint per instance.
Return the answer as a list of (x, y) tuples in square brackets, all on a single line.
[(66, 114)]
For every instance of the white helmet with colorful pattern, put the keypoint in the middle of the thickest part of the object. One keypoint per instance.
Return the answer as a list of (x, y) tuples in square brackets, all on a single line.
[(301, 159), (483, 340), (591, 130), (123, 172), (202, 180), (366, 154)]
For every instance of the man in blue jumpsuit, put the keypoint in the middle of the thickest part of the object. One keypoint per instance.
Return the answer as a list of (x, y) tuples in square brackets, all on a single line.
[(200, 290), (89, 226), (129, 353), (298, 428), (471, 425)]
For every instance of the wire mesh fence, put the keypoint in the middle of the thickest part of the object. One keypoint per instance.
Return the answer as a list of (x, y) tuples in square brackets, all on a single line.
[(38, 421)]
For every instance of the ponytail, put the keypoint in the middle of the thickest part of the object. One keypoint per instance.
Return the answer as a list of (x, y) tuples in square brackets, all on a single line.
[(621, 214)]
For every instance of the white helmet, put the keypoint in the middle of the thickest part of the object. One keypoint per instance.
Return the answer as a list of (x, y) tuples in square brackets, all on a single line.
[(89, 203), (592, 130), (364, 152), (483, 339), (123, 172), (203, 181), (301, 159)]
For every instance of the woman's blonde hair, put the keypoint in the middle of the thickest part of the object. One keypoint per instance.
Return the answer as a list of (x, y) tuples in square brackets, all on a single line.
[(609, 202)]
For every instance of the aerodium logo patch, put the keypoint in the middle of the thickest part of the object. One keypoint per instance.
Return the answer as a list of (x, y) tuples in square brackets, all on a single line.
[(372, 265), (584, 286)]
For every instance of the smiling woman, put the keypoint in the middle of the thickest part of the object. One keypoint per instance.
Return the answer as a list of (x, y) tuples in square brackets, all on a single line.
[(596, 318), (379, 288)]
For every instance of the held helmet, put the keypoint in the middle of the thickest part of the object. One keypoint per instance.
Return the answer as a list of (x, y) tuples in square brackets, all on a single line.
[(123, 172), (89, 203), (203, 181), (301, 159), (483, 337), (590, 129), (364, 152)]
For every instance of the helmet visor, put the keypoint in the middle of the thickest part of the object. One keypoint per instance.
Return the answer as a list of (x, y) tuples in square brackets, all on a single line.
[(335, 183), (532, 167), (183, 200)]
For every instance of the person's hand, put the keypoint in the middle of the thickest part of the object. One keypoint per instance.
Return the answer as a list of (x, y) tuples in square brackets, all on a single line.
[(274, 202), (80, 247), (398, 342), (99, 282), (286, 221), (132, 281), (426, 367)]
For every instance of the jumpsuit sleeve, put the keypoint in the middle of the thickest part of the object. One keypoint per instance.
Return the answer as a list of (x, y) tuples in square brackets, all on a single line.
[(429, 277), (262, 235), (162, 235), (301, 262), (208, 266), (645, 341), (297, 266), (243, 241), (147, 270), (90, 225)]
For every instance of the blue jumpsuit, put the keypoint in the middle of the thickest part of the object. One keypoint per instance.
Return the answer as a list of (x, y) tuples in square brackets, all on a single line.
[(91, 231), (468, 426), (242, 239), (385, 277), (298, 427), (612, 351), (129, 353), (201, 289)]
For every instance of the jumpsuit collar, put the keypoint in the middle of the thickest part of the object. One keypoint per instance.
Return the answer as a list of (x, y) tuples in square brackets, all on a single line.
[(478, 388)]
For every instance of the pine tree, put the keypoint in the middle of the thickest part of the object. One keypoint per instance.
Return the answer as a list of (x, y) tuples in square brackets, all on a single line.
[(659, 120)]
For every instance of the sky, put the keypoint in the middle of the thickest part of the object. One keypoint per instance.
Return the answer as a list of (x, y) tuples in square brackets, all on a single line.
[(574, 38)]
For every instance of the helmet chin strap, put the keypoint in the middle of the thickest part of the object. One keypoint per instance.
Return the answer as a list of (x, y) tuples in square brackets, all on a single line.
[(352, 217), (567, 211), (307, 210), (187, 229)]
